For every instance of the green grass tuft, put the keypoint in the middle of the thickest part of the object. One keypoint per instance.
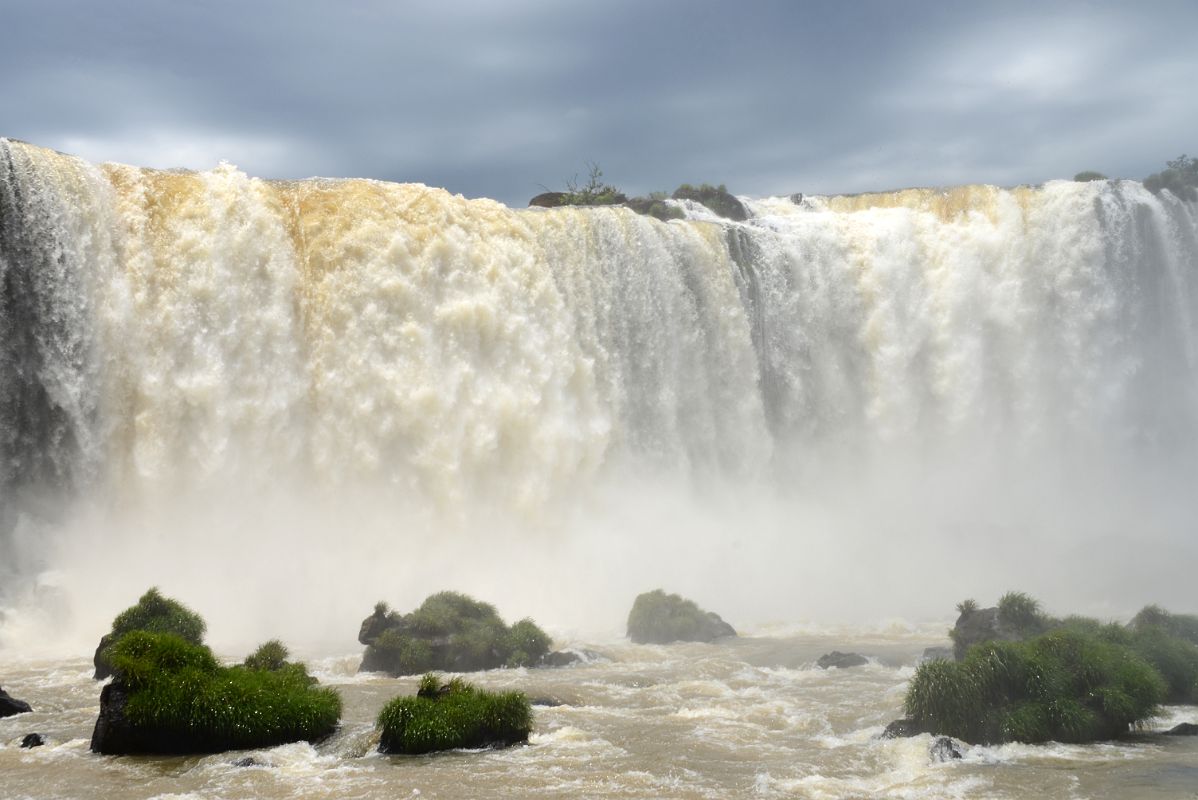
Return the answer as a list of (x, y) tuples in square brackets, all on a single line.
[(452, 716), (271, 656)]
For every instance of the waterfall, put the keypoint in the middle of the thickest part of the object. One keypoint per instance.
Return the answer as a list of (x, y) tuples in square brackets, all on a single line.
[(159, 328), (179, 333)]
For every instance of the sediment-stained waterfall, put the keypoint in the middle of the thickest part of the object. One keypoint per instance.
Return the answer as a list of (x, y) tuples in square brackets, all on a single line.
[(162, 331), (170, 326)]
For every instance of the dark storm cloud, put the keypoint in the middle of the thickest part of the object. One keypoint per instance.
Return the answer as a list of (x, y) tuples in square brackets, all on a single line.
[(496, 98)]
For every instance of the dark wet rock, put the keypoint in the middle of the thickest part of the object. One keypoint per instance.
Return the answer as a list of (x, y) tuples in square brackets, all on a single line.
[(944, 749), (660, 618), (32, 740), (113, 733), (797, 198), (10, 706), (1184, 729), (373, 626), (841, 660), (936, 654), (248, 761), (546, 702), (902, 729), (976, 625), (103, 670), (566, 658), (548, 200)]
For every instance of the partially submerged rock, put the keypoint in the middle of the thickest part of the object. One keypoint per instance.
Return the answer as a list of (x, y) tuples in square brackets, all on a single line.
[(452, 716), (32, 740), (1183, 729), (450, 632), (902, 729), (841, 660), (943, 748), (10, 706), (660, 618)]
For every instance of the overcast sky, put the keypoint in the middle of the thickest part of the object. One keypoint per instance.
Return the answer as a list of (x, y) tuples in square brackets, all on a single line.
[(500, 98)]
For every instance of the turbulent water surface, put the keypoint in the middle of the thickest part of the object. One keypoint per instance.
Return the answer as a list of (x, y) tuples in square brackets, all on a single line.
[(746, 718), (283, 401)]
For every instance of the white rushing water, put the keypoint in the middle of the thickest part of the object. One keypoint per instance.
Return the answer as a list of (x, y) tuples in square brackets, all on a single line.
[(329, 391)]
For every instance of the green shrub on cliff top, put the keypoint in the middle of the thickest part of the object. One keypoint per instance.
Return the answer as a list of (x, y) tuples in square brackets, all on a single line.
[(452, 716), (182, 701), (1065, 686)]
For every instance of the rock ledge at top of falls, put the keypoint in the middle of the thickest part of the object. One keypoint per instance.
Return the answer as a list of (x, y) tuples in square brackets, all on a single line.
[(660, 618)]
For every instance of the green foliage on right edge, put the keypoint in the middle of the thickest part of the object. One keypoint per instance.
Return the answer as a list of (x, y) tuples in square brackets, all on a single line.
[(456, 715), (1065, 686), (1180, 177), (182, 701)]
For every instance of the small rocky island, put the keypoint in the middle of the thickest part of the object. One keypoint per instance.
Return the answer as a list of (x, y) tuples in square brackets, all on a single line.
[(450, 632), (169, 695), (453, 715), (660, 618), (1023, 676)]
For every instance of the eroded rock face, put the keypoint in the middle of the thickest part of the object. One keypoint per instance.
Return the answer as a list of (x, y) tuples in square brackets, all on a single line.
[(113, 735), (978, 625), (660, 618), (841, 660), (10, 706)]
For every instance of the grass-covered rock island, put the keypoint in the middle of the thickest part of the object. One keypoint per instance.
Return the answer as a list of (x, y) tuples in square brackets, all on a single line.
[(660, 618), (169, 695), (453, 715), (1022, 675), (450, 632)]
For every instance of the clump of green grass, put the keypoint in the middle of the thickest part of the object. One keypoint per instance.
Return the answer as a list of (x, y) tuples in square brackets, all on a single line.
[(154, 613), (180, 700), (451, 632), (271, 656), (660, 618), (1066, 686), (1022, 614), (452, 716)]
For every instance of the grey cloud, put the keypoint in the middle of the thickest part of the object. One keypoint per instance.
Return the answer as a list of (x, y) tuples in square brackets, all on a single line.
[(496, 99)]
